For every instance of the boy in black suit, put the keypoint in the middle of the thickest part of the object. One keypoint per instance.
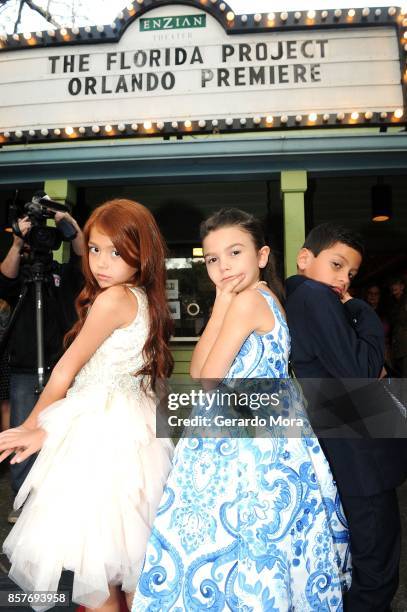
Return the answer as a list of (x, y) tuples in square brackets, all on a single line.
[(336, 336)]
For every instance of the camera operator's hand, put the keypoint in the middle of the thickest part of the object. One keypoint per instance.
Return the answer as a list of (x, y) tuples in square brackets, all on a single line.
[(10, 266), (77, 242), (24, 225), (22, 441)]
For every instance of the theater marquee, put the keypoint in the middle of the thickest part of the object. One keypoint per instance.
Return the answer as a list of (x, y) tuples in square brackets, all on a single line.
[(195, 67)]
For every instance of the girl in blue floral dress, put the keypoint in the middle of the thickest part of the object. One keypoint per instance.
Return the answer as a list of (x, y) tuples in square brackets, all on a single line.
[(248, 524)]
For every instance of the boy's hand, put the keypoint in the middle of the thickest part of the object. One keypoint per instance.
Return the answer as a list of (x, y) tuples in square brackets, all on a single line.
[(346, 297)]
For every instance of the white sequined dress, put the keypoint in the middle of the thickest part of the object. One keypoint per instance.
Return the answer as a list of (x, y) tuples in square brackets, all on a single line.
[(92, 494)]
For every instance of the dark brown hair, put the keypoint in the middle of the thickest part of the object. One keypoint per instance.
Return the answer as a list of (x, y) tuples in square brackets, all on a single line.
[(227, 217)]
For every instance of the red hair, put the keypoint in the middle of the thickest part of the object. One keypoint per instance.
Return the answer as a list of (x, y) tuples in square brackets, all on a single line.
[(135, 234)]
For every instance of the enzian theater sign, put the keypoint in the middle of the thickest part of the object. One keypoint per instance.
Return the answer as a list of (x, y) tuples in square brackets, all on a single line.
[(165, 68)]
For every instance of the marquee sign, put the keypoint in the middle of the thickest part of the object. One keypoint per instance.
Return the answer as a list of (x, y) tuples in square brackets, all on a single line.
[(172, 68)]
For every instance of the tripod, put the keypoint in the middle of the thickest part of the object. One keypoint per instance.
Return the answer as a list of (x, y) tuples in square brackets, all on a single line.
[(37, 273)]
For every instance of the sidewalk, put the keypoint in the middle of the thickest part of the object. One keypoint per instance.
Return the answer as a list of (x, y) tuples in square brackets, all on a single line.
[(399, 603)]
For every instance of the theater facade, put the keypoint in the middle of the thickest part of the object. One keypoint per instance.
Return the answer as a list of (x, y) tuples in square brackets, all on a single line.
[(298, 117)]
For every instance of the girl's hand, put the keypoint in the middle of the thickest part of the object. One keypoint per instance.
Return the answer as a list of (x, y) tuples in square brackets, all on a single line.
[(229, 286), (22, 441)]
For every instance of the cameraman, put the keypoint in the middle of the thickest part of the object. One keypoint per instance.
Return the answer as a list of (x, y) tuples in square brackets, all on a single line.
[(59, 293)]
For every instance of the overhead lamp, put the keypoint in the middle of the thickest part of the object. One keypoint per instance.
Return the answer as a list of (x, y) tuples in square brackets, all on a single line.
[(381, 197)]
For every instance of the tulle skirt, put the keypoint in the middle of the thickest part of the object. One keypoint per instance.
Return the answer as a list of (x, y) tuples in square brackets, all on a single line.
[(91, 496)]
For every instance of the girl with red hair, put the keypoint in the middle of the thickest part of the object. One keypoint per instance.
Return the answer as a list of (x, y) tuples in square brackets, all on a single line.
[(95, 423)]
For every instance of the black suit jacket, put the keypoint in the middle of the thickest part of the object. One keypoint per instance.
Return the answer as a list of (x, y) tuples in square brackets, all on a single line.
[(331, 340)]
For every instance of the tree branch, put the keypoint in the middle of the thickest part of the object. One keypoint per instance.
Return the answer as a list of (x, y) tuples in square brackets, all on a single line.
[(20, 10), (44, 13)]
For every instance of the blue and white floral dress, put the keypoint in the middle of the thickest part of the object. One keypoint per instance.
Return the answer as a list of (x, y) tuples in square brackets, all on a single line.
[(249, 524)]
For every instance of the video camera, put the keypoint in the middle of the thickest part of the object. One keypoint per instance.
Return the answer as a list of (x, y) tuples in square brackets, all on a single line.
[(41, 238)]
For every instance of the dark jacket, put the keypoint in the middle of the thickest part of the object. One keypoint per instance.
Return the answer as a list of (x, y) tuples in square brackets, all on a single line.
[(331, 340), (59, 315)]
